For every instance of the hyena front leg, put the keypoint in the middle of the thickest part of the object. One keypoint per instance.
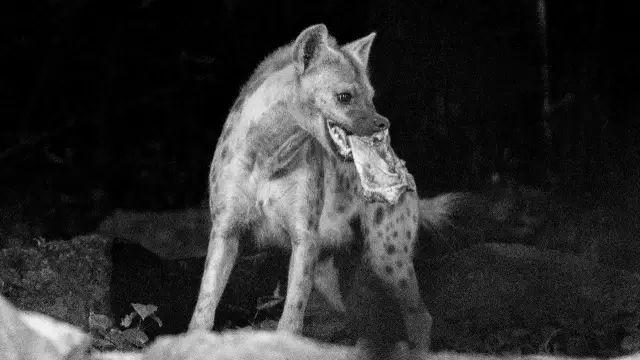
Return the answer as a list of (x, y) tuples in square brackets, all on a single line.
[(221, 256), (300, 282), (305, 241), (390, 240)]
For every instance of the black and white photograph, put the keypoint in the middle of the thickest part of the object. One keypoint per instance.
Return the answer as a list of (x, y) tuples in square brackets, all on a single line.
[(324, 180)]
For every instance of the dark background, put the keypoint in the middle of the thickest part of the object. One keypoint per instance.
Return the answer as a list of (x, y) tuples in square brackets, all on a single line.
[(118, 104)]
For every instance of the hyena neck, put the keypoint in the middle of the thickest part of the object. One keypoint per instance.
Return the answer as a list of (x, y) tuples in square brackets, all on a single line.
[(269, 111), (274, 94), (274, 136)]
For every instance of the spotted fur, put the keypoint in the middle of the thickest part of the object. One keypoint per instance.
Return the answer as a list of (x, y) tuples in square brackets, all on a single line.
[(277, 178)]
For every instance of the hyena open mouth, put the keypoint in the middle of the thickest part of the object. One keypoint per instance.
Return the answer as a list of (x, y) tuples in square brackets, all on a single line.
[(383, 175), (339, 137)]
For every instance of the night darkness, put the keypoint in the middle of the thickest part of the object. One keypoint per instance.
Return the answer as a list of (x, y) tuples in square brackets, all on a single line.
[(114, 104)]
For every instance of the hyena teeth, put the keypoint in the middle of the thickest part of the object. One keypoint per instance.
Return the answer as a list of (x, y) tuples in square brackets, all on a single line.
[(339, 137), (379, 136)]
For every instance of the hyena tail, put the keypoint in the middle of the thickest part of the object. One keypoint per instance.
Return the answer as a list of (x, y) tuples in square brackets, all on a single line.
[(448, 223), (460, 219), (436, 213)]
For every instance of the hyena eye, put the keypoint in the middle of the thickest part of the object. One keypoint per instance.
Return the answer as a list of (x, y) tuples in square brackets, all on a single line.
[(344, 97)]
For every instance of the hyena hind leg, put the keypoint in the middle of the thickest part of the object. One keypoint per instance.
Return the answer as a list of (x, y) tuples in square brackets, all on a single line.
[(326, 281), (390, 243), (403, 286), (221, 257)]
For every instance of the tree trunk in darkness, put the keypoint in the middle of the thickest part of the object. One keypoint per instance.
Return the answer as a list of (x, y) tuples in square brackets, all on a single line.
[(541, 10)]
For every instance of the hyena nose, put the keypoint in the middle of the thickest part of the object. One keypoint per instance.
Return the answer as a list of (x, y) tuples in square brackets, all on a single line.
[(367, 123), (381, 123)]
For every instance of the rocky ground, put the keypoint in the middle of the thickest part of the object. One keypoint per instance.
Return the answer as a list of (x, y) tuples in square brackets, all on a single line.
[(568, 286)]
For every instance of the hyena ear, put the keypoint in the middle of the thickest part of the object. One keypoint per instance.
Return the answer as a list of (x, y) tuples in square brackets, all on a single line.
[(309, 45), (360, 48)]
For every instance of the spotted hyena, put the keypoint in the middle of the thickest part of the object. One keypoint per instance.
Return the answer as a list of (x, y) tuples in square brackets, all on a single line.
[(282, 175)]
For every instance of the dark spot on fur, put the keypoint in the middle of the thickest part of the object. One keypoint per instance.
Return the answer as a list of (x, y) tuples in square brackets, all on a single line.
[(379, 215), (402, 217), (280, 173), (408, 211), (415, 219), (399, 264), (250, 161), (379, 234), (299, 306), (312, 223), (395, 234), (340, 208), (223, 153), (391, 249), (388, 269), (320, 178), (307, 270), (342, 183), (356, 228), (405, 249), (334, 161), (409, 235), (270, 202), (404, 284)]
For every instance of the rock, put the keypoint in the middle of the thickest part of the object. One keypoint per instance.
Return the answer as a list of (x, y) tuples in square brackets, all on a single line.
[(89, 277), (63, 279), (26, 335), (248, 345), (488, 288), (179, 234)]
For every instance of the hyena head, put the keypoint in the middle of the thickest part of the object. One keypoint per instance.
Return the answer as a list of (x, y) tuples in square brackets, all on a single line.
[(335, 96)]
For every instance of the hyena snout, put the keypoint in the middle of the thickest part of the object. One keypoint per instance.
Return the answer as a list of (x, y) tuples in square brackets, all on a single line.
[(380, 123), (368, 123)]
